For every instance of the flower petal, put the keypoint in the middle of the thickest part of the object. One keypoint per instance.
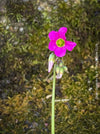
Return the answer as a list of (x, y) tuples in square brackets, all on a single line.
[(60, 52), (70, 45), (50, 65), (62, 32), (52, 45), (53, 35), (59, 76)]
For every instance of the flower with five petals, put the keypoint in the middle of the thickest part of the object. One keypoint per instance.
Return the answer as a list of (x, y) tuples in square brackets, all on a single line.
[(58, 42)]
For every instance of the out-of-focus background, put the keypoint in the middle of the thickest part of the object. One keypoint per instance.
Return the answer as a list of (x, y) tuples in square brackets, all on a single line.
[(25, 88)]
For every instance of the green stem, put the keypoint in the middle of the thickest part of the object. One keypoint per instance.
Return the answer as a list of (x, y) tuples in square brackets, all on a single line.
[(53, 104)]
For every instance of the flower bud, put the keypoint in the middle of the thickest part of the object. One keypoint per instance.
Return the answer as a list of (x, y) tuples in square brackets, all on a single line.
[(65, 69), (61, 70), (57, 69), (60, 74), (51, 61)]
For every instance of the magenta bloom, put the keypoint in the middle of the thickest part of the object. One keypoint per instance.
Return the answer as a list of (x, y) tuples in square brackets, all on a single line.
[(58, 42)]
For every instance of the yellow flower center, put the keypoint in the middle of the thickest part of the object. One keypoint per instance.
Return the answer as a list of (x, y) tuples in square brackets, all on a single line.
[(60, 42)]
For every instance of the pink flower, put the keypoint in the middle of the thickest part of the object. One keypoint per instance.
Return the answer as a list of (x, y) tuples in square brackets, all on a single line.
[(58, 42)]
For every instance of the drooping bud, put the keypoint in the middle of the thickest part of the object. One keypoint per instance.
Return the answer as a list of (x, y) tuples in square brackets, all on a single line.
[(65, 69), (61, 70), (60, 74), (57, 69), (51, 61)]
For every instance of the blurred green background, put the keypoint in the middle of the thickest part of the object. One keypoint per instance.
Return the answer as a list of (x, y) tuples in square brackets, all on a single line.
[(25, 102)]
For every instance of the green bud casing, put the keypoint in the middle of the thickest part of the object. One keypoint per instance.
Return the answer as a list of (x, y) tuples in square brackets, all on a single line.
[(61, 70), (60, 74), (65, 68), (57, 69), (52, 57)]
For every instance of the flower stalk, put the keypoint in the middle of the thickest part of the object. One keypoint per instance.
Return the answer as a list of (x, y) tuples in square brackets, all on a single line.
[(53, 103)]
